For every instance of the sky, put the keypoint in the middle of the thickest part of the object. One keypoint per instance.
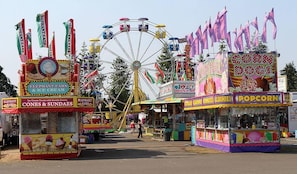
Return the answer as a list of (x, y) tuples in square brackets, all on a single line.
[(180, 17)]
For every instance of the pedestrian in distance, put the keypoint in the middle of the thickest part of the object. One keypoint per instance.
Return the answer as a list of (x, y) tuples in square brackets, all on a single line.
[(132, 126), (139, 129)]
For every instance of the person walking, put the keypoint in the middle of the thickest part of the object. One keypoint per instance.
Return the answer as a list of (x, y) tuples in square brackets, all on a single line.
[(139, 129), (132, 126)]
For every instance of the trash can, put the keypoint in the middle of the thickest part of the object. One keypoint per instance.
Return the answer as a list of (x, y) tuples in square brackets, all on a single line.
[(167, 134)]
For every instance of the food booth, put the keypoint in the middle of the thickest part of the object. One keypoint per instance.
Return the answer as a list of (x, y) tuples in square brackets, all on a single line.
[(49, 109), (169, 106), (237, 104)]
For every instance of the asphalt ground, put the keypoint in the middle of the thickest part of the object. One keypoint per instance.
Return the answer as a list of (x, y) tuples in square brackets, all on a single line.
[(126, 154)]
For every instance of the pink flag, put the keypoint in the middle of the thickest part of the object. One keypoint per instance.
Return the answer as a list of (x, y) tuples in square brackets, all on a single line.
[(196, 46), (229, 41), (223, 24), (270, 17), (199, 39), (190, 41), (239, 39), (246, 32), (235, 40), (264, 33), (211, 33), (216, 28), (193, 48), (254, 23), (190, 38), (204, 37)]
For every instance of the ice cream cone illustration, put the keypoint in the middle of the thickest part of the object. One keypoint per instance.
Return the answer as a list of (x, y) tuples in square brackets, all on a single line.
[(28, 141), (48, 142)]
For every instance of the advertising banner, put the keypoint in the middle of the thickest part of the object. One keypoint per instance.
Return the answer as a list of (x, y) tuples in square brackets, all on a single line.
[(211, 77), (47, 76), (251, 72)]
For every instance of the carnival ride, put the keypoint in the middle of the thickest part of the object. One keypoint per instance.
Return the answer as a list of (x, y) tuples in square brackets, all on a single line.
[(137, 43)]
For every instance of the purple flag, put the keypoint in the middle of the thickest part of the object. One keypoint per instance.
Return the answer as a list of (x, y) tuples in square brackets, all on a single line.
[(229, 40), (270, 17), (211, 33), (216, 28), (239, 39), (246, 32), (196, 47), (254, 23), (199, 39), (264, 33), (204, 37), (190, 39), (223, 24), (235, 40)]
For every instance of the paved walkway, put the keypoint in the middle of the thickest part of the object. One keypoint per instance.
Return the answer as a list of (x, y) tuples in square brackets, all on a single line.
[(128, 140)]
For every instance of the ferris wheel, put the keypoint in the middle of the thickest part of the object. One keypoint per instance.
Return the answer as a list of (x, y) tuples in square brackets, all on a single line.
[(133, 46)]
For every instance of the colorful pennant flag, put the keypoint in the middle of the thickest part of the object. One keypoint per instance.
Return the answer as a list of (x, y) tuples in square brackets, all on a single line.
[(246, 32), (69, 38), (223, 23), (160, 71), (149, 77), (92, 74), (254, 23), (29, 44), (42, 28), (270, 17), (52, 47), (21, 40)]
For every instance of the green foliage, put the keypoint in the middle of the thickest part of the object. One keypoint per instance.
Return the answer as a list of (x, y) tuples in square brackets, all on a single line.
[(166, 64), (6, 86), (291, 73), (120, 82), (84, 58)]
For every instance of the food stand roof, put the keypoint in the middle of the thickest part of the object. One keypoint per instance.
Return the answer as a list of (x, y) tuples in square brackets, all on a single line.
[(18, 105)]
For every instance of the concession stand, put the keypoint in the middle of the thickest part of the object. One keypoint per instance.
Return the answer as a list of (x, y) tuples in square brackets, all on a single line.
[(237, 104), (49, 109), (169, 106)]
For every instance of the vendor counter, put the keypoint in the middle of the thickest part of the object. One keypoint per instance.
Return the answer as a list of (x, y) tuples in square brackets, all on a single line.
[(239, 140)]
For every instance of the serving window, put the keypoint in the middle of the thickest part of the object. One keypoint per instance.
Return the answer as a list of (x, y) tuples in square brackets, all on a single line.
[(44, 123)]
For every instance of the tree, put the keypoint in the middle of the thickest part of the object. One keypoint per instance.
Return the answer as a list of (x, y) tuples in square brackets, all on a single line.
[(89, 61), (6, 86), (291, 73), (166, 64), (120, 83)]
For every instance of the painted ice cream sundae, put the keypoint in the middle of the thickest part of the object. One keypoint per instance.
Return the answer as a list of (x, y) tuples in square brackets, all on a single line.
[(60, 143)]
